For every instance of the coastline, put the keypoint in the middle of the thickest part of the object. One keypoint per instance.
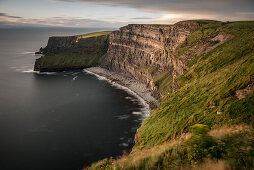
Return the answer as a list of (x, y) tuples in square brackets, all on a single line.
[(129, 84)]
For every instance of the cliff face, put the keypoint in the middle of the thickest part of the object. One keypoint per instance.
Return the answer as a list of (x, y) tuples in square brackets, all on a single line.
[(72, 52), (145, 51), (55, 43)]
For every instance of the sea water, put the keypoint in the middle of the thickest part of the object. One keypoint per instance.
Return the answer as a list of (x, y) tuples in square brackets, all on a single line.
[(63, 120)]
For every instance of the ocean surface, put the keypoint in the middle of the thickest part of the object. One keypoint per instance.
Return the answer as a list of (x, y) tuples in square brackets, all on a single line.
[(61, 120)]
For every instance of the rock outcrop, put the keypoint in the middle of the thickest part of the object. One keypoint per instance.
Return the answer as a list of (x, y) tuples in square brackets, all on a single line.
[(72, 52), (139, 49), (56, 43)]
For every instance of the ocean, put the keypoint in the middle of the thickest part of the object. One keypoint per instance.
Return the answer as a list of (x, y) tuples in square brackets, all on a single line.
[(63, 120)]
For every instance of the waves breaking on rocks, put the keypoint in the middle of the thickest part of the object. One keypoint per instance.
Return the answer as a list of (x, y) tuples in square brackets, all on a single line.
[(138, 90)]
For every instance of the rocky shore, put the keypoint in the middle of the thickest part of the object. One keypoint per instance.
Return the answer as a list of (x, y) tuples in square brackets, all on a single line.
[(127, 81)]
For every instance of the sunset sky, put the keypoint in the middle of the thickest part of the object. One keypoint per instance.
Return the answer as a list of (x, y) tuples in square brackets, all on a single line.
[(116, 13)]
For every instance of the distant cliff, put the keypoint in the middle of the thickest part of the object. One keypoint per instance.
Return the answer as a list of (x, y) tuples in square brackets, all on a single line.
[(56, 43), (72, 52)]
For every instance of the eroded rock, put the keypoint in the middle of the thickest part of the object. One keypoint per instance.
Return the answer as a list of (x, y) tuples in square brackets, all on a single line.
[(137, 49)]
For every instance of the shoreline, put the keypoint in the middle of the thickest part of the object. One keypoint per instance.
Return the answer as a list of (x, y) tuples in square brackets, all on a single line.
[(129, 84)]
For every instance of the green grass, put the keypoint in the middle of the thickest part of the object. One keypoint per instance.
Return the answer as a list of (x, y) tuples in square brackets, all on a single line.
[(94, 34), (88, 51), (157, 25), (206, 31), (164, 82)]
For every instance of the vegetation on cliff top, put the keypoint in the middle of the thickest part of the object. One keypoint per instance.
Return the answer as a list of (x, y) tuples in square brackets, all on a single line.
[(94, 34), (88, 51), (206, 95)]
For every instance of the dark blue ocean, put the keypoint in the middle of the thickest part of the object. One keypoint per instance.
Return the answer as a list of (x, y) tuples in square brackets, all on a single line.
[(61, 120)]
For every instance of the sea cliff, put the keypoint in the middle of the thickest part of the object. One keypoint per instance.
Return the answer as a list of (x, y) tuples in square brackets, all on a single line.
[(56, 43), (72, 52), (145, 51)]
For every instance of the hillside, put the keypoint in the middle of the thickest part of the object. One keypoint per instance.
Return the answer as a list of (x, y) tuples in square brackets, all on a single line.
[(214, 91), (73, 52)]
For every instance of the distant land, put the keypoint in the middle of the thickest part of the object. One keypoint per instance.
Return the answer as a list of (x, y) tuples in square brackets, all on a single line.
[(200, 74)]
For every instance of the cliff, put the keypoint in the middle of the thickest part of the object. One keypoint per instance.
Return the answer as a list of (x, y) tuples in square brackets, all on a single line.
[(56, 43), (72, 52), (204, 71), (145, 51)]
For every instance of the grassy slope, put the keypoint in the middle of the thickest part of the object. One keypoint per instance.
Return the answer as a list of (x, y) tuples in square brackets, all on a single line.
[(87, 52), (210, 81)]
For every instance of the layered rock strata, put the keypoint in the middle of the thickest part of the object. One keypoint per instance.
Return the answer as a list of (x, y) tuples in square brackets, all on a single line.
[(56, 43), (137, 50)]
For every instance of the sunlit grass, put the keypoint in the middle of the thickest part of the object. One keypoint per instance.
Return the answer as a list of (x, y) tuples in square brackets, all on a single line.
[(94, 34)]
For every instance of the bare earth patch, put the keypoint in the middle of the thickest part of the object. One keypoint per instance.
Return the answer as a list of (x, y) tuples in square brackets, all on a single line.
[(210, 44), (242, 93)]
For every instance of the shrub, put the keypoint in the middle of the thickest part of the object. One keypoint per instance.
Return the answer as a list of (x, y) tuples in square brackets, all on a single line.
[(239, 152), (202, 145)]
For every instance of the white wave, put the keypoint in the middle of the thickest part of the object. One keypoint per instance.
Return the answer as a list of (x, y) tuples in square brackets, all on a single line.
[(97, 76), (28, 71), (29, 52), (123, 117), (137, 113), (74, 78), (28, 66), (48, 73), (45, 73), (74, 74), (124, 144), (145, 110), (23, 69)]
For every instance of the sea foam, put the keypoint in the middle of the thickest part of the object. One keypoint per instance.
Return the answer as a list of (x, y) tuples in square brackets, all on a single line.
[(144, 111)]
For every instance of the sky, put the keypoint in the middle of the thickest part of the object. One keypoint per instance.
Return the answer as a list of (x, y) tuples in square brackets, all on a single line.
[(117, 13)]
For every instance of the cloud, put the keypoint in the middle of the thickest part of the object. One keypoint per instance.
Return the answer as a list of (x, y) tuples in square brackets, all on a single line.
[(8, 20), (8, 16), (141, 18), (225, 9), (160, 12)]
